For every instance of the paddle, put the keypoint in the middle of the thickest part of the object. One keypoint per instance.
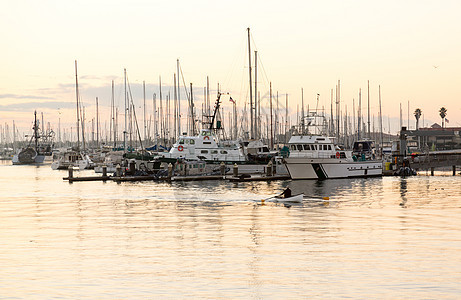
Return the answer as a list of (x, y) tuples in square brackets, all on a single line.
[(317, 197)]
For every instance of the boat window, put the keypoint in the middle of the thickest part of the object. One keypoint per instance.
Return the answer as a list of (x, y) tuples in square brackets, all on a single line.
[(192, 142), (204, 151), (187, 142), (207, 143), (181, 142), (300, 147), (195, 166), (306, 147), (325, 147), (214, 152), (223, 152), (329, 147), (293, 147)]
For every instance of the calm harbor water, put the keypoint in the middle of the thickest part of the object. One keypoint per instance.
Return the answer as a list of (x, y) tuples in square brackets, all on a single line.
[(383, 238)]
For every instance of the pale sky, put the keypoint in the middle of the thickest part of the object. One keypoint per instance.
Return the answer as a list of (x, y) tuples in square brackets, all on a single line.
[(411, 48)]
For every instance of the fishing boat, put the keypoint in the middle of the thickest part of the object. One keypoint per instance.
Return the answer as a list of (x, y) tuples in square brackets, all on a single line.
[(34, 154), (317, 157)]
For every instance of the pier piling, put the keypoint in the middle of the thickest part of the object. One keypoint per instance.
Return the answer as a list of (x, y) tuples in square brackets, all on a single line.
[(269, 169), (222, 168), (71, 172)]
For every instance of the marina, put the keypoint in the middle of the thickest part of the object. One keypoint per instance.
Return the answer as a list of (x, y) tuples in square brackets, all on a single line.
[(230, 150)]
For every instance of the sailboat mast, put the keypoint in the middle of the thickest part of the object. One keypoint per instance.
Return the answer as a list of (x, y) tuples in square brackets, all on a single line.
[(179, 102), (359, 115), (381, 119), (176, 115), (286, 118), (144, 97), (368, 95), (35, 130), (302, 112), (257, 134), (77, 96), (125, 130), (114, 127), (252, 134), (97, 122), (272, 130)]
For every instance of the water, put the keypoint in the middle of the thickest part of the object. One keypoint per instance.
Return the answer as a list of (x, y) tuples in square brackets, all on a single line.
[(383, 238)]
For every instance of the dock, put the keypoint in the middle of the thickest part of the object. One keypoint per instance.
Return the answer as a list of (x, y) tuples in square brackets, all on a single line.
[(253, 177), (258, 178)]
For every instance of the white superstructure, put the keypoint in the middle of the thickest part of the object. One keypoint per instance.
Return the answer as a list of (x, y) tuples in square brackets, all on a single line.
[(206, 146), (317, 157)]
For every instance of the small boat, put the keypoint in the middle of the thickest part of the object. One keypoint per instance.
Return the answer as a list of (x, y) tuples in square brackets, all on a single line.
[(295, 198)]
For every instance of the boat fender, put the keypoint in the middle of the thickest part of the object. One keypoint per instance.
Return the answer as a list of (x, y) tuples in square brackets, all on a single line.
[(337, 155), (180, 148), (206, 137)]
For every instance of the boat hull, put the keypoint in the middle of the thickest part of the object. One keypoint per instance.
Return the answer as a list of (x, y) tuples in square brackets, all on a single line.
[(294, 199), (309, 168)]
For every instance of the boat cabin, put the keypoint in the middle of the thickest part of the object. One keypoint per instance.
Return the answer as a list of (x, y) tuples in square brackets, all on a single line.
[(206, 146), (313, 146), (363, 150)]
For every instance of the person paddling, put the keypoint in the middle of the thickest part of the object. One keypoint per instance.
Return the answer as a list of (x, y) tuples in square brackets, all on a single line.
[(286, 193)]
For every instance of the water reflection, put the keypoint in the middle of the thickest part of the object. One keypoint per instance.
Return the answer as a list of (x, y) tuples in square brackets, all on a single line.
[(214, 239)]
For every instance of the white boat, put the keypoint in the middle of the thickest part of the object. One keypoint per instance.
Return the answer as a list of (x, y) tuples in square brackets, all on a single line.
[(206, 146), (295, 198), (316, 157), (62, 160)]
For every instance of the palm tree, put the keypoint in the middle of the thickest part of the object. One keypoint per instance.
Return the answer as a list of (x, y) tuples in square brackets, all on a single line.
[(443, 114), (418, 113)]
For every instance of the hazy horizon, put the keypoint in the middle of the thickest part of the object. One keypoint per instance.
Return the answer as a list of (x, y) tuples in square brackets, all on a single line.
[(408, 48)]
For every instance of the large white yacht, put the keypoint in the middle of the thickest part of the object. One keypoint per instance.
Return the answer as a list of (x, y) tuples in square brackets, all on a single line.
[(317, 157)]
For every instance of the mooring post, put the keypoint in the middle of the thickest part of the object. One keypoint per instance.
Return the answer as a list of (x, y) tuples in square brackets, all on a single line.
[(432, 171), (118, 170), (170, 170), (71, 172), (269, 169), (454, 170), (236, 170), (222, 167), (104, 171)]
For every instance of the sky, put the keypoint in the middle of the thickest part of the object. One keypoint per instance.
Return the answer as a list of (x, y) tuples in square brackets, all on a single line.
[(409, 48)]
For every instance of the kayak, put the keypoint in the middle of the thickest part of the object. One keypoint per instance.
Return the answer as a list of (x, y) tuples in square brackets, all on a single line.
[(295, 198)]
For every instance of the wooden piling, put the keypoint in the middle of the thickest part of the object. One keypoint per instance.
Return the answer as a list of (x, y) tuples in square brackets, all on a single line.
[(236, 170)]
